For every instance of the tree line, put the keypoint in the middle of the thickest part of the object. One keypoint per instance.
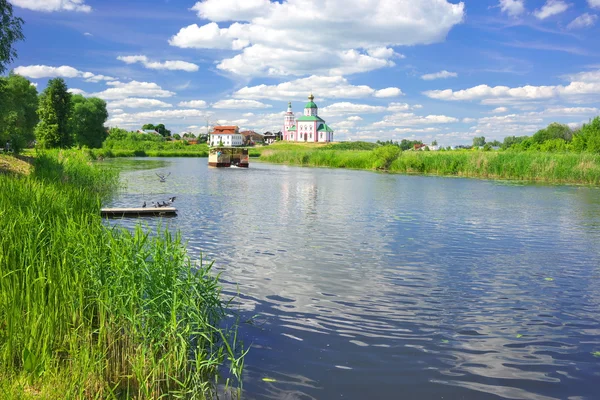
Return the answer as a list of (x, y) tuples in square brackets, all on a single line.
[(555, 137), (54, 118)]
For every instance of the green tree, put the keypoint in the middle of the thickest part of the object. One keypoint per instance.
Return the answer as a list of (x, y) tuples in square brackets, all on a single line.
[(149, 127), (479, 141), (434, 143), (510, 141), (406, 144), (87, 121), (177, 136), (54, 111), (588, 137), (160, 128), (553, 131), (18, 116), (10, 32)]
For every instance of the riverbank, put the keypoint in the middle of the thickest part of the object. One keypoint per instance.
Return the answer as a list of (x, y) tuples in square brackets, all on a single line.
[(89, 311), (567, 168)]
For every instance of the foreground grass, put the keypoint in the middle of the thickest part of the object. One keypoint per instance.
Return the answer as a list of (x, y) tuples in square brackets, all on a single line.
[(578, 168), (88, 311)]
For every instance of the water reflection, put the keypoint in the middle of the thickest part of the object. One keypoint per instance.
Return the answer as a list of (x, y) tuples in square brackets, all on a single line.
[(379, 286)]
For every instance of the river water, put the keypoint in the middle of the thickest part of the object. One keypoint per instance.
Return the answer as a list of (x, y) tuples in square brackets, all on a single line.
[(376, 286)]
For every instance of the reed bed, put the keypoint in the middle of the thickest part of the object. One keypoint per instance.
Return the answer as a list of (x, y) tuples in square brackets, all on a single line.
[(90, 312), (196, 151), (578, 168)]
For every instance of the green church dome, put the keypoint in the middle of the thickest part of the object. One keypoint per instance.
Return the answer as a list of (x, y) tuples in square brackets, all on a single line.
[(311, 103)]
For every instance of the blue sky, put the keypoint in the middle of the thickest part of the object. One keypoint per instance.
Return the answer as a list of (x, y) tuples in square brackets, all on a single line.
[(379, 69)]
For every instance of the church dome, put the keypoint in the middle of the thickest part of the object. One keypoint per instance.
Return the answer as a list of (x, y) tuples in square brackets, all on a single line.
[(311, 103)]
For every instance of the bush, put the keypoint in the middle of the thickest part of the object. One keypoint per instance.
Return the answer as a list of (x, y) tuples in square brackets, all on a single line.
[(384, 156)]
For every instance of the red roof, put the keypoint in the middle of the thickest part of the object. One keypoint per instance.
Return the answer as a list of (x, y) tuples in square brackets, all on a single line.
[(225, 130)]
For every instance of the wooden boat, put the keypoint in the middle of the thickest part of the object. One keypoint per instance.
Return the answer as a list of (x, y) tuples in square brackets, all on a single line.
[(138, 212), (228, 156)]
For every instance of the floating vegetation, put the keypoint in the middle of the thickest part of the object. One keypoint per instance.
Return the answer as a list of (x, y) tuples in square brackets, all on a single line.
[(269, 380)]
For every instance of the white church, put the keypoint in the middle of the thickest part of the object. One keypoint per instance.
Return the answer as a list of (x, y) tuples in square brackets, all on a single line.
[(307, 128)]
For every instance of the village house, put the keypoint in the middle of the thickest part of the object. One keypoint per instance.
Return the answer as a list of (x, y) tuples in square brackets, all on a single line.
[(271, 137), (250, 138), (226, 136)]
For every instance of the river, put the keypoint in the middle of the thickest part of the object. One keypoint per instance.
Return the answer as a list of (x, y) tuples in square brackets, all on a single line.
[(375, 286)]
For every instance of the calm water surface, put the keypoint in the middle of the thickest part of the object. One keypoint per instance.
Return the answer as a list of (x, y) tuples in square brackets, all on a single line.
[(373, 286)]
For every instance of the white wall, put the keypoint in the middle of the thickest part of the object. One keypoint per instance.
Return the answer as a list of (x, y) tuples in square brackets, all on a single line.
[(228, 140)]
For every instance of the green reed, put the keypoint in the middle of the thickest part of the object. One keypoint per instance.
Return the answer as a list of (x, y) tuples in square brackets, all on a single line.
[(581, 168), (88, 311)]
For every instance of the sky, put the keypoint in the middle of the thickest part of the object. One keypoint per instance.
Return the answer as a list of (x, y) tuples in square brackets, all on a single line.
[(379, 69)]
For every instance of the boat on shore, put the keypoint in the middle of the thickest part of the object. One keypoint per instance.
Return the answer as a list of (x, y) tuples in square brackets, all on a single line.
[(221, 157)]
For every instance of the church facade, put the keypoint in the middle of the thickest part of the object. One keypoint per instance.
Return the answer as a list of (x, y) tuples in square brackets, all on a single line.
[(307, 128)]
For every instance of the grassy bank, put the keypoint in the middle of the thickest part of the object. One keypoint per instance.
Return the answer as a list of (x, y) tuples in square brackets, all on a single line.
[(88, 311), (578, 168)]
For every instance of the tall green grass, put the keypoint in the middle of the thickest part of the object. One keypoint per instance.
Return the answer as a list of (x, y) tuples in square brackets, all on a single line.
[(88, 311), (581, 168), (190, 151)]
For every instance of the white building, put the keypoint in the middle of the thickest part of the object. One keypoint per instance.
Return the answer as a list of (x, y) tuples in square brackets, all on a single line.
[(228, 136), (307, 128)]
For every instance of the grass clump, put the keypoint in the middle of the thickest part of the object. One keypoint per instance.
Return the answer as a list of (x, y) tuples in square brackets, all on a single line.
[(88, 311)]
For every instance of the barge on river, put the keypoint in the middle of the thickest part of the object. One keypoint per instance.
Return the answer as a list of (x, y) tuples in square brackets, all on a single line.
[(228, 157)]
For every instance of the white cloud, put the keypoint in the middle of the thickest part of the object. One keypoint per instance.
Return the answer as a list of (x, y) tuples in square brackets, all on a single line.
[(208, 36), (552, 7), (583, 21), (567, 111), (388, 92), (138, 103), (231, 10), (355, 118), (89, 77), (44, 71), (65, 71), (346, 36), (499, 110), (77, 91), (262, 60), (121, 90), (167, 117), (87, 34), (351, 108), (513, 8), (468, 120), (53, 5), (34, 84), (322, 86), (409, 119), (169, 65), (237, 104), (416, 130), (587, 76), (249, 114), (594, 3), (439, 75), (582, 84), (193, 104)]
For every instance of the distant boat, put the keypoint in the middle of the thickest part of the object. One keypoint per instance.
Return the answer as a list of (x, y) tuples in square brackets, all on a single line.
[(228, 157)]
